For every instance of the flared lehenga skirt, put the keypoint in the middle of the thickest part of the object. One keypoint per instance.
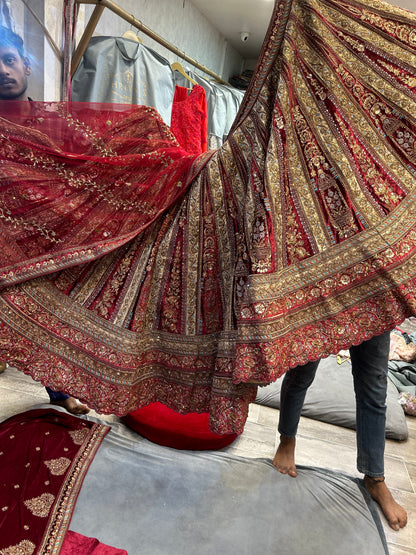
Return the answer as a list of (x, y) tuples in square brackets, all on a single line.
[(134, 273)]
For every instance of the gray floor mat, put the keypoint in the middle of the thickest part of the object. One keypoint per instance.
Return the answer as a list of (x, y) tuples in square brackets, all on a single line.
[(153, 500)]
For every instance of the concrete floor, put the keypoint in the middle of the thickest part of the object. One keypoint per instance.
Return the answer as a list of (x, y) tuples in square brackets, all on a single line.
[(318, 444)]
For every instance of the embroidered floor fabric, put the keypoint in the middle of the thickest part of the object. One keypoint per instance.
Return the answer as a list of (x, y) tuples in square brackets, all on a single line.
[(134, 273), (44, 457), (152, 499)]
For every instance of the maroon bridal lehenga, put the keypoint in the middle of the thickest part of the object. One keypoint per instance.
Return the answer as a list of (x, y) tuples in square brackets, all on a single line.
[(133, 272)]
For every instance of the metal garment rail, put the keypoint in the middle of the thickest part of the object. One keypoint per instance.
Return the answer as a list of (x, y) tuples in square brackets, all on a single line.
[(92, 23)]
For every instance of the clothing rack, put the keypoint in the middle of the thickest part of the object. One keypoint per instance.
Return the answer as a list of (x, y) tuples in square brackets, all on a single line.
[(92, 23)]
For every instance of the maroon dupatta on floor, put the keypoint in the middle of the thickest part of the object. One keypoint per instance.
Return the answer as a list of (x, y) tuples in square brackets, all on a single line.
[(44, 457)]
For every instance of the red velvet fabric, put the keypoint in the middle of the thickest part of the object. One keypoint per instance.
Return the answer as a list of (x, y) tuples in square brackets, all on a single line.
[(77, 544), (162, 425), (44, 455)]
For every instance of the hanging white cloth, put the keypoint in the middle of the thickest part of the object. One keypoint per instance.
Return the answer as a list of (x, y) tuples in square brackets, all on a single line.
[(124, 71)]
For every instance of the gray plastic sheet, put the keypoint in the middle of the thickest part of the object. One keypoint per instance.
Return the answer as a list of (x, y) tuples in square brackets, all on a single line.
[(153, 500)]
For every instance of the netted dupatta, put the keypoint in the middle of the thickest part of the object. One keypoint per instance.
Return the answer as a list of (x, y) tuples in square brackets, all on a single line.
[(79, 180), (292, 241)]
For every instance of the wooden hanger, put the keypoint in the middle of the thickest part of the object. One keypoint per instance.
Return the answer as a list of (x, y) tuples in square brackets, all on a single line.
[(131, 35), (176, 66)]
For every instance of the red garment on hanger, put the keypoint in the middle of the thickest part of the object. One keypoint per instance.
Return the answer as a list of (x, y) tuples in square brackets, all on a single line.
[(190, 119)]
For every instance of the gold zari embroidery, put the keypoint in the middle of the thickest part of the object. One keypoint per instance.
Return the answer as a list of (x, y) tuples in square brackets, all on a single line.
[(58, 466), (24, 547), (78, 436), (40, 506)]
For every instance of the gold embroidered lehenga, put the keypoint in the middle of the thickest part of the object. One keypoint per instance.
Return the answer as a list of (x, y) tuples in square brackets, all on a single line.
[(133, 273)]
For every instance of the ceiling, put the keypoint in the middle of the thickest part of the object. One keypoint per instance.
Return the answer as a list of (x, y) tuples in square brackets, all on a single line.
[(232, 17)]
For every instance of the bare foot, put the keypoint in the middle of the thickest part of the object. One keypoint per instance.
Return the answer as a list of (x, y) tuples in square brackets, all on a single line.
[(284, 459), (3, 366), (72, 406), (395, 514)]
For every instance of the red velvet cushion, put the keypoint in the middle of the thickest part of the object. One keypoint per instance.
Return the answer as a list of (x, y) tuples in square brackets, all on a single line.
[(78, 544), (164, 426)]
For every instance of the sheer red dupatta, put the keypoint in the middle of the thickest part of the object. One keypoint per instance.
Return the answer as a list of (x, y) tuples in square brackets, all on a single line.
[(78, 181)]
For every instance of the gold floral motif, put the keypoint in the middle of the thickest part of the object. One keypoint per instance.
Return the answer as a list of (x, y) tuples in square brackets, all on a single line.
[(209, 278), (260, 251), (110, 292), (299, 195), (58, 466), (369, 169), (397, 129), (356, 44), (402, 135), (402, 32), (318, 88), (84, 180), (220, 175), (78, 436), (25, 547), (161, 249), (40, 506), (409, 80), (359, 65), (171, 305), (192, 215), (320, 172), (294, 241), (81, 126), (356, 114), (28, 226), (86, 289)]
